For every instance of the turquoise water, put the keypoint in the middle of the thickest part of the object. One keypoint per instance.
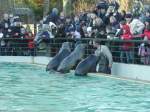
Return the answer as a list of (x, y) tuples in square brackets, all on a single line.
[(28, 88)]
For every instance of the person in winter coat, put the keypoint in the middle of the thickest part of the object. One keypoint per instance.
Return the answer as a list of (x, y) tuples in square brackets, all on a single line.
[(144, 49), (145, 14), (146, 33), (105, 57), (144, 53), (101, 10), (31, 46), (2, 42), (147, 29), (52, 17), (136, 25), (126, 49), (113, 22)]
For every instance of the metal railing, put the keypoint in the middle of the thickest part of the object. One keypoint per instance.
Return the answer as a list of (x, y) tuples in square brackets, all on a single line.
[(20, 47)]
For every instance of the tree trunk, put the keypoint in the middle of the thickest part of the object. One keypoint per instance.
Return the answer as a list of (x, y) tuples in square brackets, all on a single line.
[(67, 7), (46, 7)]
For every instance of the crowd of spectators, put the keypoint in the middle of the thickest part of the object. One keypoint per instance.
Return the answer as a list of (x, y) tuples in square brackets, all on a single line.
[(104, 21), (15, 39)]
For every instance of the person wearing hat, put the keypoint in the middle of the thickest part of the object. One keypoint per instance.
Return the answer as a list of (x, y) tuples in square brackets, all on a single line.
[(128, 18), (101, 10), (102, 4)]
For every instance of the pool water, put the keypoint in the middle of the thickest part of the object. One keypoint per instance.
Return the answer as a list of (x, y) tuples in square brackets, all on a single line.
[(28, 88)]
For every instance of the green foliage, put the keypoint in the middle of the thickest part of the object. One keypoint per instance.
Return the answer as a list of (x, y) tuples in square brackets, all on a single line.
[(37, 6), (84, 5)]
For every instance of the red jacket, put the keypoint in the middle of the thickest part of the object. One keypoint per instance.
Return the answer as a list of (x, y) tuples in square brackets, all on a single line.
[(126, 36), (147, 33), (30, 40)]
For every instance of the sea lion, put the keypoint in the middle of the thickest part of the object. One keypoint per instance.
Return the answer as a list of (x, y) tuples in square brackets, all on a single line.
[(69, 62), (88, 65), (64, 51)]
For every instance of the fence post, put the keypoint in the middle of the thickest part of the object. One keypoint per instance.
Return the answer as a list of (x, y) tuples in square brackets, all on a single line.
[(48, 50)]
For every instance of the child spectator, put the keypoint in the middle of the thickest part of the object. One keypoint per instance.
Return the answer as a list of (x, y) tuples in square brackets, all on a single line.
[(144, 49), (144, 53), (147, 28), (31, 47), (127, 46)]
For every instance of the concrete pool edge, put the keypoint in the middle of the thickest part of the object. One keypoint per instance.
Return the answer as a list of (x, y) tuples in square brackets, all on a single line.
[(119, 70)]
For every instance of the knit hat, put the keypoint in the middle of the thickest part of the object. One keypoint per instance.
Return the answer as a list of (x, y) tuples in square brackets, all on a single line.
[(128, 15), (102, 5)]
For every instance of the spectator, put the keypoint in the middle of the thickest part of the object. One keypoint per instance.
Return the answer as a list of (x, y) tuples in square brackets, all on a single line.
[(144, 15), (31, 47), (69, 27), (113, 23), (89, 32), (136, 26), (2, 42), (99, 33), (98, 22), (76, 35), (83, 30), (126, 52), (101, 10), (61, 30), (16, 30), (76, 23), (110, 32), (122, 14), (137, 8), (11, 19), (144, 53), (144, 49), (146, 34), (5, 25), (53, 17), (115, 4), (147, 13)]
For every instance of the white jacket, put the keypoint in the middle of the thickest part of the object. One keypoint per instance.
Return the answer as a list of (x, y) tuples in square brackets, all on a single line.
[(136, 26)]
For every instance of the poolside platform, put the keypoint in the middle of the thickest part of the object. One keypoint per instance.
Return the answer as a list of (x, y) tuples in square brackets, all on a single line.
[(119, 70)]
